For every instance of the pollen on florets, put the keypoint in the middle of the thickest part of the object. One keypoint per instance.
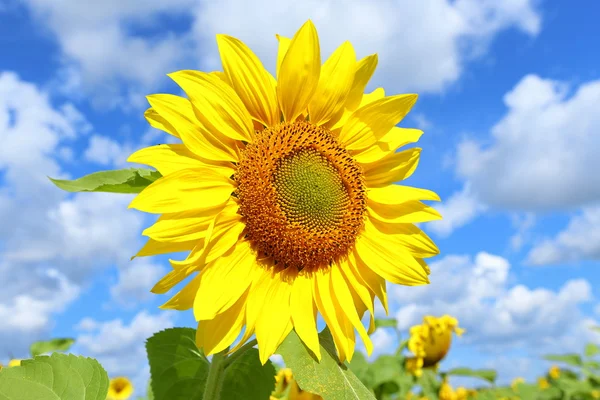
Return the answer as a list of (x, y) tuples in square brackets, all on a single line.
[(301, 194)]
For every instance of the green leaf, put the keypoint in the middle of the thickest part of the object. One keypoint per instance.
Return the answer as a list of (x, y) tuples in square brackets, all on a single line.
[(385, 323), (132, 180), (591, 350), (48, 346), (328, 378), (429, 383), (55, 377), (386, 368), (361, 368), (245, 378), (570, 359), (485, 374), (177, 367)]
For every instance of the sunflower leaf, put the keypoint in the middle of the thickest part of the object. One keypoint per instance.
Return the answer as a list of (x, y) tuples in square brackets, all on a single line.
[(385, 322), (591, 350), (59, 376), (485, 374), (59, 344), (132, 180), (178, 369), (245, 378), (570, 359), (328, 378)]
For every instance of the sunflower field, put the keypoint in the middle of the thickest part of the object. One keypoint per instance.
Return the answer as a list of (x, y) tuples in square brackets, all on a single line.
[(286, 194)]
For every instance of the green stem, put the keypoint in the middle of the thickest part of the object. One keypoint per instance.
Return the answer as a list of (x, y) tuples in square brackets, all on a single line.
[(238, 353), (214, 382)]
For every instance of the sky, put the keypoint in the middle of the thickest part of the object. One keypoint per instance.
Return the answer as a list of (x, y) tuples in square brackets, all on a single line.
[(508, 99)]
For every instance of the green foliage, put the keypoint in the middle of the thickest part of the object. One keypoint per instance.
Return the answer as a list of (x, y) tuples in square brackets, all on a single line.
[(132, 180), (55, 377), (246, 378), (329, 378), (48, 346), (178, 368), (570, 359), (385, 323), (485, 374), (591, 350)]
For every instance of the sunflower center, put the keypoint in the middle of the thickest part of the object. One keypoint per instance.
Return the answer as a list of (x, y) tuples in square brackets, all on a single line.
[(310, 190), (302, 196)]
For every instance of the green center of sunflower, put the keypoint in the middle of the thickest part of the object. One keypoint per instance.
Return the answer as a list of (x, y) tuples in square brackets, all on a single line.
[(310, 190)]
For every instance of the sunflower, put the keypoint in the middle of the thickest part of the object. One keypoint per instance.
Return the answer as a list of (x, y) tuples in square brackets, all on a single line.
[(516, 382), (554, 372), (120, 388), (14, 363), (447, 392), (430, 342), (286, 387), (543, 383), (283, 192)]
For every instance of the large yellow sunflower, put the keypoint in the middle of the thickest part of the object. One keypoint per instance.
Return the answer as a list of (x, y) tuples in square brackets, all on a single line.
[(283, 192)]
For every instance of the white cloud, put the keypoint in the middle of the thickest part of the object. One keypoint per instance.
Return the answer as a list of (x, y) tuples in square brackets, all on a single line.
[(135, 281), (523, 223), (461, 208), (106, 151), (579, 240), (384, 342), (543, 151), (422, 46), (120, 347), (422, 122), (495, 314)]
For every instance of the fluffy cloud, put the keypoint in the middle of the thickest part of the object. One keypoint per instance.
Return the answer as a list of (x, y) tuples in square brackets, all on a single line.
[(460, 209), (52, 231), (103, 150), (120, 347), (579, 240), (495, 314), (543, 151), (135, 281), (423, 46)]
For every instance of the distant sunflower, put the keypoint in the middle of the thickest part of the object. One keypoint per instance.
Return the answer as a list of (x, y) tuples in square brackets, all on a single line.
[(430, 342), (120, 388), (283, 192), (286, 387)]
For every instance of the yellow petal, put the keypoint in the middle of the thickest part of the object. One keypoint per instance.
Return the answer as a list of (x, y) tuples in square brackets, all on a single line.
[(304, 313), (388, 258), (224, 233), (368, 98), (223, 281), (179, 112), (274, 320), (181, 227), (169, 158), (408, 236), (395, 167), (355, 281), (168, 281), (157, 121), (192, 261), (184, 299), (216, 105), (298, 75), (334, 85), (284, 45), (216, 334), (396, 194), (248, 77), (371, 122), (153, 248), (188, 189), (364, 71), (346, 304), (374, 282), (388, 144), (408, 212), (342, 339)]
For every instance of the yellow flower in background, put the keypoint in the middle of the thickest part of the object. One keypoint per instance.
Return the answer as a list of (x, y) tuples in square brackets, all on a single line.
[(595, 394), (447, 392), (516, 382), (287, 387), (554, 372), (14, 363), (283, 192), (120, 388), (430, 342), (543, 383)]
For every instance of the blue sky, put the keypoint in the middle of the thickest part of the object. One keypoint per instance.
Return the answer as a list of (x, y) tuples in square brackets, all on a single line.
[(508, 102)]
